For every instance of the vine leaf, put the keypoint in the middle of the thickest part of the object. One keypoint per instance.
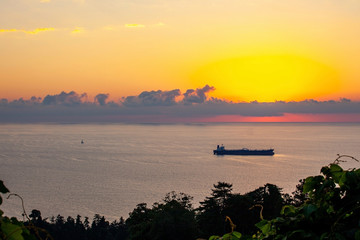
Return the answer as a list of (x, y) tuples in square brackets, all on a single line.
[(12, 231), (264, 226), (309, 209), (3, 189), (237, 234)]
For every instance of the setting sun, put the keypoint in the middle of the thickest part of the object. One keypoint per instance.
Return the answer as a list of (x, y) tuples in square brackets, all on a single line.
[(269, 78)]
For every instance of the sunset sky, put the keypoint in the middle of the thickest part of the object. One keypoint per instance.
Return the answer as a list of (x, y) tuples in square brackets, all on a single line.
[(245, 50)]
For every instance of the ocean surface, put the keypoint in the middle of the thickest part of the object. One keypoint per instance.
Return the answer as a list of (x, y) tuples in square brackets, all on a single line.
[(121, 165)]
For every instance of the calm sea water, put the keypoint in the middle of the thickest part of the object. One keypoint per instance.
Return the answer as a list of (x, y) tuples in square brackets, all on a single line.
[(120, 165)]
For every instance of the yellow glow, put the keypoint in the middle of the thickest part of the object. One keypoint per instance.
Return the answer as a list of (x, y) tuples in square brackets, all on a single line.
[(8, 30), (35, 31), (134, 25), (78, 30), (269, 78)]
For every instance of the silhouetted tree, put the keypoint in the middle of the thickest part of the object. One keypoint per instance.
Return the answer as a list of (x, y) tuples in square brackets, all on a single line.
[(139, 222), (211, 216), (172, 219), (99, 228), (238, 209), (298, 196), (270, 198)]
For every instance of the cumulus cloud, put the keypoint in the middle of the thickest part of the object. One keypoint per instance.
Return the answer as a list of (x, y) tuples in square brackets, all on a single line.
[(101, 98), (68, 99), (161, 106), (153, 98), (197, 96)]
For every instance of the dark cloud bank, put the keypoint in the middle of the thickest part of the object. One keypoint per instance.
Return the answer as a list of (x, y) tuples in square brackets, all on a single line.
[(156, 106)]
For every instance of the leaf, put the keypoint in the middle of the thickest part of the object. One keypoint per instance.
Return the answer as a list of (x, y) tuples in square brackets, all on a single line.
[(336, 171), (227, 236), (237, 234), (299, 233), (357, 235), (264, 226), (343, 180), (11, 231), (288, 209), (339, 236), (309, 209), (352, 180), (214, 237), (3, 189), (325, 235), (311, 183)]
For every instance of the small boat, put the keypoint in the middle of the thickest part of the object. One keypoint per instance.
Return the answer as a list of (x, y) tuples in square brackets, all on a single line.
[(220, 150)]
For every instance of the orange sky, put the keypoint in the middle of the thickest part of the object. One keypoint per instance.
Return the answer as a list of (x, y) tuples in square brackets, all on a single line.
[(248, 50)]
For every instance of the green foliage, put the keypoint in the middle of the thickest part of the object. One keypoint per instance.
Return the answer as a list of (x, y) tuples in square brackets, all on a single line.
[(11, 228), (332, 210), (228, 236)]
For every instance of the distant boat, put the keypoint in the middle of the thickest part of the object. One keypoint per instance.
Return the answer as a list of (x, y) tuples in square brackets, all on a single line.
[(82, 141), (220, 150)]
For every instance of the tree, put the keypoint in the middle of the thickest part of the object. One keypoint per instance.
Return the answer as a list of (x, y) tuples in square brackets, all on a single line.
[(173, 218), (139, 222), (270, 198), (298, 196), (211, 216)]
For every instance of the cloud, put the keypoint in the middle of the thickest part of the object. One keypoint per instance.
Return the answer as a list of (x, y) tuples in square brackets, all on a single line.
[(45, 1), (153, 98), (134, 25), (197, 96), (35, 31), (101, 98), (166, 106), (68, 99)]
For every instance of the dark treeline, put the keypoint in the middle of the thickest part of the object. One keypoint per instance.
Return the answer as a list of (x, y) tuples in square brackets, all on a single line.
[(175, 217)]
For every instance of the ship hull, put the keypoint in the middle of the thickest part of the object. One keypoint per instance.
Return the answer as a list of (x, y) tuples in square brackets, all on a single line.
[(268, 152)]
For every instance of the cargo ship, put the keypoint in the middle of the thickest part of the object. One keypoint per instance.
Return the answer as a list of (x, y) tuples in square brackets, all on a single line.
[(220, 150)]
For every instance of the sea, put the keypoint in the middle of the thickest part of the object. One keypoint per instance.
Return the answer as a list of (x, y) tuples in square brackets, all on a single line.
[(121, 165)]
